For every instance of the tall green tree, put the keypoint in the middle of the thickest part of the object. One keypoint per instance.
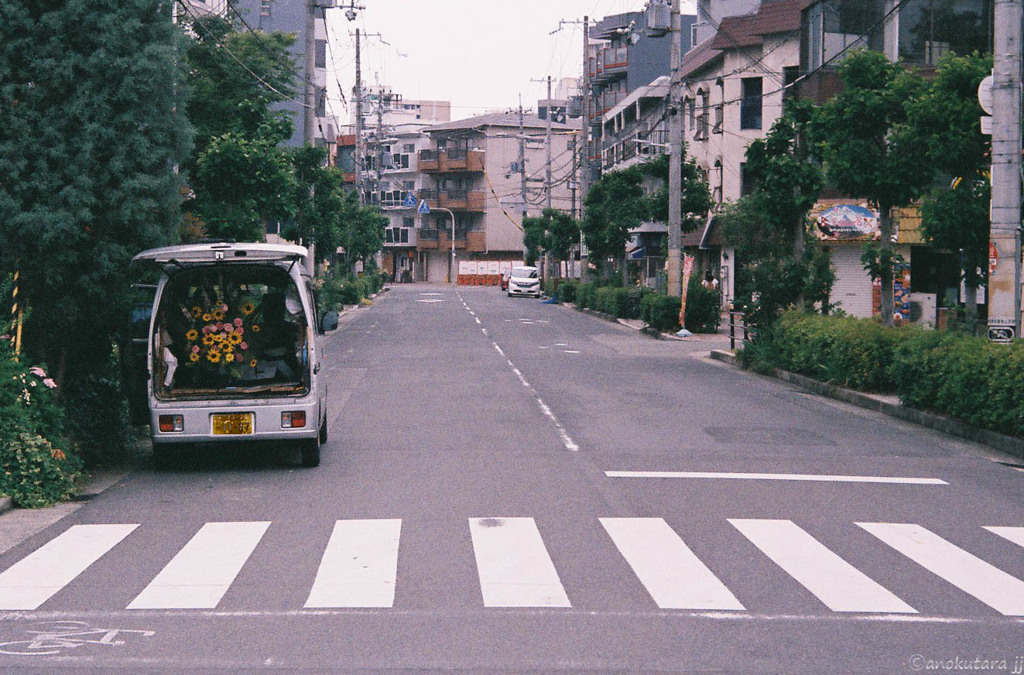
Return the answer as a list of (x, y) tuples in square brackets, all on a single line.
[(616, 203), (695, 195), (768, 227), (362, 232), (955, 213), (320, 199), (868, 153), (554, 232), (91, 133), (241, 179)]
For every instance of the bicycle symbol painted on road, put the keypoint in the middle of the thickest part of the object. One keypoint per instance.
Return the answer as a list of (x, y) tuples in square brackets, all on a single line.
[(55, 637)]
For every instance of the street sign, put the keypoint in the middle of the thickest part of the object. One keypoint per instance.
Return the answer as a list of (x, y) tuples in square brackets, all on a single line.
[(993, 258), (1001, 334), (409, 200), (424, 207), (985, 94)]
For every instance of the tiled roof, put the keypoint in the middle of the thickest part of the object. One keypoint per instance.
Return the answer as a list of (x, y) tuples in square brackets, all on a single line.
[(781, 16), (697, 58), (736, 31)]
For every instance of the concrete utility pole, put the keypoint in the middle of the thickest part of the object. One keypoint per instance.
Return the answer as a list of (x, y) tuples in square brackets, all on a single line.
[(1004, 283), (309, 100), (357, 94), (547, 175), (522, 158), (585, 139), (675, 158)]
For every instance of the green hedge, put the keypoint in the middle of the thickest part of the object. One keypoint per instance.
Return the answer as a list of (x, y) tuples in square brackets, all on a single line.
[(965, 377), (660, 312), (335, 292)]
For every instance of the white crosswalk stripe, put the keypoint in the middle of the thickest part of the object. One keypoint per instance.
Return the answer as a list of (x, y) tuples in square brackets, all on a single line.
[(666, 566), (1014, 534), (971, 574), (514, 566), (838, 584), (201, 573), (34, 580), (359, 567), (360, 564)]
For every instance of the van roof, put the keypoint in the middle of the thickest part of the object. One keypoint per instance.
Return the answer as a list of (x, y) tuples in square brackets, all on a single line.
[(224, 253)]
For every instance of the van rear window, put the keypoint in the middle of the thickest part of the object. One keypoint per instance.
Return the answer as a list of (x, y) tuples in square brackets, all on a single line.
[(223, 331)]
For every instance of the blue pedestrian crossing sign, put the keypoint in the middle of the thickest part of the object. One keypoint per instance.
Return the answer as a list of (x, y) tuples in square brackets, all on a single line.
[(424, 207), (409, 200)]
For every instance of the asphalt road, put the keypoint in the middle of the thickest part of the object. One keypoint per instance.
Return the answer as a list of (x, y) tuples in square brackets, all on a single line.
[(516, 486)]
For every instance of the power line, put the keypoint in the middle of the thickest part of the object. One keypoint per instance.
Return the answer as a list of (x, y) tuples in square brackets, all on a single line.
[(219, 45)]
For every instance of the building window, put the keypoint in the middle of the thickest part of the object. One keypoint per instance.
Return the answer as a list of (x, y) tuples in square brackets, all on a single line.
[(408, 222), (409, 185), (409, 148), (264, 7), (750, 104)]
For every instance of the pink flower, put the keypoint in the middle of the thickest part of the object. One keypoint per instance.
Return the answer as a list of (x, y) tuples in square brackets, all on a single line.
[(50, 384), (228, 328), (224, 308), (239, 330), (218, 325), (195, 349), (238, 323), (238, 357), (37, 371), (244, 345)]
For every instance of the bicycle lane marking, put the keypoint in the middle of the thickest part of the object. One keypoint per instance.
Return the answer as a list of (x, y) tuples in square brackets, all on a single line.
[(54, 637)]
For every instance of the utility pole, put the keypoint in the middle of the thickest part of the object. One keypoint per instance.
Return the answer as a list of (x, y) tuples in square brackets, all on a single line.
[(547, 175), (357, 94), (522, 157), (675, 159), (1004, 282), (585, 139), (309, 99)]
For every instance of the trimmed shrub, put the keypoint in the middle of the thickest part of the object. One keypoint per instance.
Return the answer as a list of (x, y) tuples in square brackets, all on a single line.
[(703, 307), (566, 291), (660, 312)]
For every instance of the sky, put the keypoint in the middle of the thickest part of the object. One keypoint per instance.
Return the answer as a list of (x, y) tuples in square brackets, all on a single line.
[(481, 55)]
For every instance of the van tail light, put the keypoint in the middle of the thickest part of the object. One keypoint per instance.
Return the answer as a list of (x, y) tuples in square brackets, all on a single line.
[(171, 423), (295, 419)]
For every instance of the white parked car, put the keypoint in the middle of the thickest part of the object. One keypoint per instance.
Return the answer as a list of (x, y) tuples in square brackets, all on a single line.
[(524, 281)]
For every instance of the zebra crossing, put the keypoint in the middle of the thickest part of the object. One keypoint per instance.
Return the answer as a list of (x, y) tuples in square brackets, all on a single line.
[(359, 566)]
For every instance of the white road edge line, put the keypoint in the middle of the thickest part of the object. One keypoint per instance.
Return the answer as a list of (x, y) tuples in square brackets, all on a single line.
[(820, 478)]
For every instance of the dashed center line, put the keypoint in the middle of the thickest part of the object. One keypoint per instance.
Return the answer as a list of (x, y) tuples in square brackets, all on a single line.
[(544, 408)]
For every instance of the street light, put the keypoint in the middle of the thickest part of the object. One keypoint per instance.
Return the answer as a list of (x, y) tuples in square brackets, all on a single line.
[(451, 268)]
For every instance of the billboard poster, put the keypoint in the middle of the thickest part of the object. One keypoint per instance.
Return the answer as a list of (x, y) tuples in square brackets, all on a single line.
[(900, 293), (687, 271), (845, 222), (467, 267), (493, 267)]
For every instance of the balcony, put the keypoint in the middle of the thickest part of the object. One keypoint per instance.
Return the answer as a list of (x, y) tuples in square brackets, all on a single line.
[(455, 200), (611, 62), (451, 160)]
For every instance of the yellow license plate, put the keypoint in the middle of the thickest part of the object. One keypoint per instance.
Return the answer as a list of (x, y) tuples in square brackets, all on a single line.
[(235, 423)]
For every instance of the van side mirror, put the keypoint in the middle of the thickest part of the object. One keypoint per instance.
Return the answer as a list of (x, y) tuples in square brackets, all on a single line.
[(330, 321)]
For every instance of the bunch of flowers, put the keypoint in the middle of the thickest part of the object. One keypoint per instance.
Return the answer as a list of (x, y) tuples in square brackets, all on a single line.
[(219, 336)]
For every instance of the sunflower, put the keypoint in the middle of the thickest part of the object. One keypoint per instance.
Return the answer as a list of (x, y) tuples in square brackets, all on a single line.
[(255, 328), (197, 311), (213, 356), (235, 338), (208, 340), (218, 314), (207, 317), (252, 363), (248, 308), (192, 335), (193, 357)]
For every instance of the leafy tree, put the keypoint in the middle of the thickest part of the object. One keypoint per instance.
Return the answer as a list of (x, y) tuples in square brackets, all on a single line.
[(362, 232), (241, 179), (868, 153), (695, 196), (955, 214), (241, 185), (319, 196), (554, 232), (91, 130), (768, 227), (616, 203), (225, 97)]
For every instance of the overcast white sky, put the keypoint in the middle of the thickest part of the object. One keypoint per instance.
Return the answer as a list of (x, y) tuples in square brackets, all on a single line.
[(479, 54)]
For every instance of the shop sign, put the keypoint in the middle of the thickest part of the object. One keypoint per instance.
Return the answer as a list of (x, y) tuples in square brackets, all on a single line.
[(847, 222)]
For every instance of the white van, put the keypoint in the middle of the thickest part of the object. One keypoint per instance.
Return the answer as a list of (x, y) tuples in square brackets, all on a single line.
[(233, 348)]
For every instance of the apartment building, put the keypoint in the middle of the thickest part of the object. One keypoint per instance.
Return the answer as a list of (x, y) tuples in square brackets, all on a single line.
[(481, 176), (735, 82)]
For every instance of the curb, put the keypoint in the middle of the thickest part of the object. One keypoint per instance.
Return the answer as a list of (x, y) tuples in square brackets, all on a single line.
[(893, 408), (6, 504)]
